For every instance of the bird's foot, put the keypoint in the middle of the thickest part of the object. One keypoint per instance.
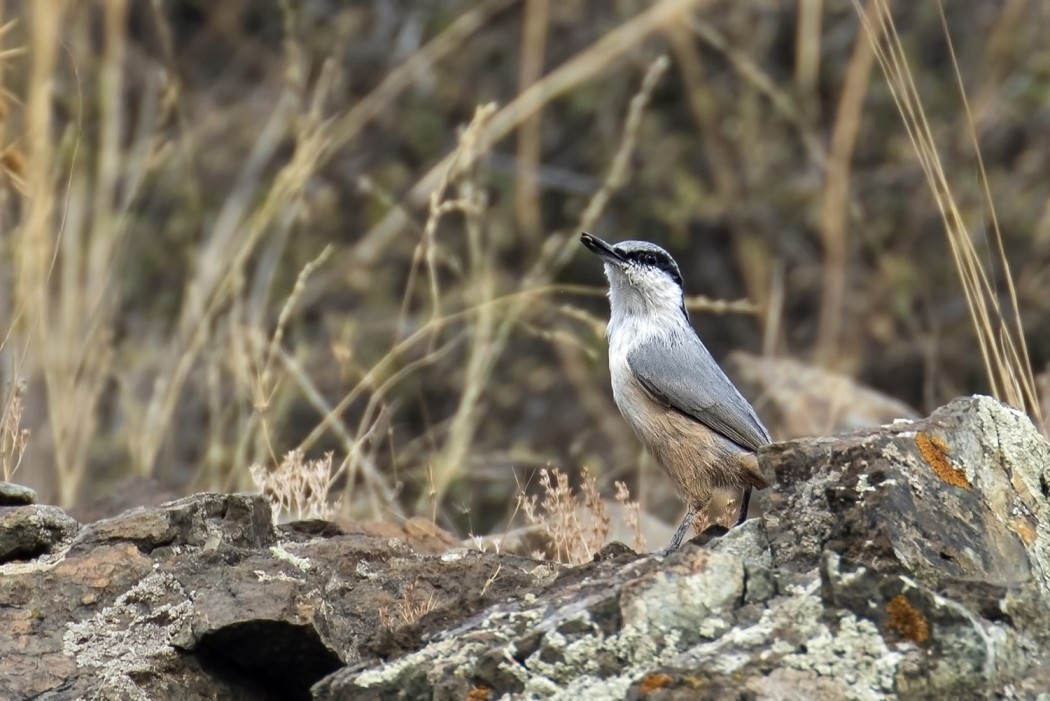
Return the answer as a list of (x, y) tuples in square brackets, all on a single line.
[(679, 534), (713, 531)]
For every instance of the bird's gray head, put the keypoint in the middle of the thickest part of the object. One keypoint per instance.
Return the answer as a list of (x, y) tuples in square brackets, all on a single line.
[(643, 278)]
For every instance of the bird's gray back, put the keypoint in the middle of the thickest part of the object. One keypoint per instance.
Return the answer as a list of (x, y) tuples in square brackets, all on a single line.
[(679, 371)]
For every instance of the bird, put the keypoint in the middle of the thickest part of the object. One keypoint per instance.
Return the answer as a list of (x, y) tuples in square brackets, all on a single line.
[(684, 409)]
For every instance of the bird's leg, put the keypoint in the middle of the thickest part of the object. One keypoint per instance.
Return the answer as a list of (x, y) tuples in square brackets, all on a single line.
[(685, 525), (745, 501), (690, 518)]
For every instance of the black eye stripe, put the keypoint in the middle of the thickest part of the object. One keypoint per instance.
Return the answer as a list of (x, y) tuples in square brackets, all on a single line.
[(650, 258), (657, 260)]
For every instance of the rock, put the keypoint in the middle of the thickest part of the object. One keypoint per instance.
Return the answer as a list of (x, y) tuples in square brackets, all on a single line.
[(961, 494), (26, 532), (12, 494), (908, 561), (839, 591), (796, 399), (198, 599), (203, 520), (420, 534)]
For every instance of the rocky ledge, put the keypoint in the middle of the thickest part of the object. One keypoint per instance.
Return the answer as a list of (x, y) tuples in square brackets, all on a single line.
[(910, 561)]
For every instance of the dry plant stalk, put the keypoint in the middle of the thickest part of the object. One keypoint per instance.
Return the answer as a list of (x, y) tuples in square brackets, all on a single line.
[(834, 214), (483, 347), (13, 438), (489, 338), (256, 360), (491, 580), (581, 68), (411, 607), (254, 209), (633, 518), (558, 513), (1002, 344), (80, 211), (69, 243), (252, 361), (533, 50), (298, 488)]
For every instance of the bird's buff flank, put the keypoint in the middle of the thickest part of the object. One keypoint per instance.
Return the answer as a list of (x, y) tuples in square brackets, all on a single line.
[(682, 407)]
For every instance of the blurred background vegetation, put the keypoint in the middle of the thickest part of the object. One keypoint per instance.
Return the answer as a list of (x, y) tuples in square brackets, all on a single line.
[(234, 229)]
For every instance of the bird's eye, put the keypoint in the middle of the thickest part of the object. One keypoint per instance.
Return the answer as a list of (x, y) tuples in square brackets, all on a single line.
[(649, 259)]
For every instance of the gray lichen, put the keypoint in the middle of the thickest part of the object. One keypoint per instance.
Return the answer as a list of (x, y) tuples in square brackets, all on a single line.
[(132, 634)]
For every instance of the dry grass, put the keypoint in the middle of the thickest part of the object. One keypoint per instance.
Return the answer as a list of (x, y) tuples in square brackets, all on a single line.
[(490, 338), (408, 609), (576, 523), (297, 488), (13, 437), (633, 509), (584, 66), (574, 539), (997, 326), (834, 215), (208, 271)]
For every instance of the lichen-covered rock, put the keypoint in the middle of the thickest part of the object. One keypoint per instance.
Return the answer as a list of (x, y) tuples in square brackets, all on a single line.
[(202, 599), (29, 531), (12, 494), (908, 561), (960, 494), (902, 562), (201, 520)]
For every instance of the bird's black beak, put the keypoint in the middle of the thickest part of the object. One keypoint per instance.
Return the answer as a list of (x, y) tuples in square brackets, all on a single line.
[(604, 250)]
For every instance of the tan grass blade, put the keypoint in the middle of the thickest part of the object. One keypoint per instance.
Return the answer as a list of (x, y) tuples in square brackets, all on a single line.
[(1002, 347)]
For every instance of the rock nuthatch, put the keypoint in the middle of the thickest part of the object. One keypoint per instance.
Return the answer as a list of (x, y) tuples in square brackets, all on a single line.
[(682, 407)]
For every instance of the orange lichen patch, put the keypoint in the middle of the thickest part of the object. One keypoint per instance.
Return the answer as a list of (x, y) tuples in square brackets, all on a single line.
[(652, 682), (906, 620), (1024, 530), (935, 452), (479, 693)]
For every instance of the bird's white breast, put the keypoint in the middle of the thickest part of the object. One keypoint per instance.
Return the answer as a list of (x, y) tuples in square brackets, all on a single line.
[(639, 317), (626, 332)]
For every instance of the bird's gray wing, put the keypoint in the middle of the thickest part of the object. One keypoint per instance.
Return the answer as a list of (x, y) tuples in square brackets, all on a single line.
[(685, 377)]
